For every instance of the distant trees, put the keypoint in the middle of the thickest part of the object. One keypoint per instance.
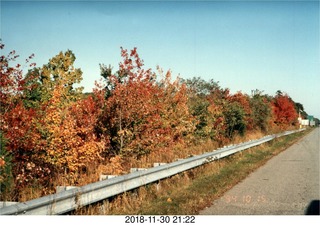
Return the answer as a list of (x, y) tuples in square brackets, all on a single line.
[(221, 115)]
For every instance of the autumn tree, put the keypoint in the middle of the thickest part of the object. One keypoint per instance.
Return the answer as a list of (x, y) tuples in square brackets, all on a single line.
[(244, 102), (202, 108), (15, 119), (175, 112), (65, 122), (68, 142), (129, 102), (209, 103), (284, 110), (141, 115), (11, 79), (232, 109), (51, 128), (60, 72)]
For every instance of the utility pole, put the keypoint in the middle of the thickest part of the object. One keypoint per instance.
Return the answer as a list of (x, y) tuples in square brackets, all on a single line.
[(300, 119)]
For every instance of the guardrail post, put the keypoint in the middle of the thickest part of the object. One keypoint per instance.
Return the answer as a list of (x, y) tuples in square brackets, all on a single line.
[(64, 188), (7, 203), (158, 164), (137, 169), (106, 177)]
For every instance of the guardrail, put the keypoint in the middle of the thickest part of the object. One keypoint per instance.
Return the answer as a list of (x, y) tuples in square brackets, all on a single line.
[(69, 200)]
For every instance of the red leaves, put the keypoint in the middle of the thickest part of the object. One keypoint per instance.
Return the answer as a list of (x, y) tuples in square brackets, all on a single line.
[(133, 52), (131, 64), (11, 80), (284, 111), (142, 116), (244, 101)]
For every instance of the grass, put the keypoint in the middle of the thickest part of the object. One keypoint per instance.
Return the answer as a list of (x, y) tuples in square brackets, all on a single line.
[(193, 190)]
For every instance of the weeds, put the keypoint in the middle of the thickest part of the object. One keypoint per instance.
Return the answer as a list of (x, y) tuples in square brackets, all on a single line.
[(193, 190)]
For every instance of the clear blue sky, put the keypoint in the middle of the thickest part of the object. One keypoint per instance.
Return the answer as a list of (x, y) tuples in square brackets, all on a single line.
[(244, 45)]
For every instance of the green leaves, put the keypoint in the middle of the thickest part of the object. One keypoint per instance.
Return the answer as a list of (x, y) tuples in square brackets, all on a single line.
[(261, 112), (234, 116)]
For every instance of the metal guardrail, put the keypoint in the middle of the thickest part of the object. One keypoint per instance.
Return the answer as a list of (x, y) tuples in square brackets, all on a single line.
[(69, 200)]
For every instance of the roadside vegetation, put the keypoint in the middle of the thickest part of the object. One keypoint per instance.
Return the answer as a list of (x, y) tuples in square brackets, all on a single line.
[(53, 134), (189, 192)]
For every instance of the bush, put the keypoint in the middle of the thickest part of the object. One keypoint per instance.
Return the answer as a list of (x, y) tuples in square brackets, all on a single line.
[(6, 178)]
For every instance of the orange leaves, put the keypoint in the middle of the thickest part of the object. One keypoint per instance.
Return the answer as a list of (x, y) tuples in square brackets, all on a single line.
[(2, 162), (141, 115), (71, 142), (284, 111), (175, 112)]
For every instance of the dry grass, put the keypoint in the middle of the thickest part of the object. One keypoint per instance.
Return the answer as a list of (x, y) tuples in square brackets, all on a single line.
[(193, 190), (30, 193)]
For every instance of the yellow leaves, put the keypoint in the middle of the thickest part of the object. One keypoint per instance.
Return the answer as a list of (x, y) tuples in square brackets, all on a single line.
[(71, 142)]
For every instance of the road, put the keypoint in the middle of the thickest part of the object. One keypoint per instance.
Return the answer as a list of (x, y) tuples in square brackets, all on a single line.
[(286, 185)]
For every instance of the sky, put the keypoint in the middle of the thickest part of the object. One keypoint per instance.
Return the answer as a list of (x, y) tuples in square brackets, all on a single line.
[(243, 45)]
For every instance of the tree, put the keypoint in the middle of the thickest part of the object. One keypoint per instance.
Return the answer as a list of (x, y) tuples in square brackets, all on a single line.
[(129, 102), (234, 119), (60, 72), (11, 80), (198, 86), (16, 120), (50, 128), (300, 110), (175, 114), (261, 111), (32, 89), (65, 121), (69, 136), (284, 111), (141, 115), (237, 113), (204, 107), (244, 104)]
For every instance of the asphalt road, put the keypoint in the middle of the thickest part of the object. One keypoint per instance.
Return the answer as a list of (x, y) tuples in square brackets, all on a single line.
[(288, 184)]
